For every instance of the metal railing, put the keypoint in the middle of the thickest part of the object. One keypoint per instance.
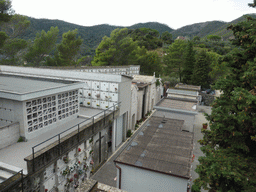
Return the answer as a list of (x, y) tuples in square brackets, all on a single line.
[(9, 182), (78, 130)]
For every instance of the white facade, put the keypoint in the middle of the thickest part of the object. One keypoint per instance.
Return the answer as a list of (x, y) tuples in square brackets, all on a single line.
[(134, 105), (140, 180), (118, 70), (99, 91)]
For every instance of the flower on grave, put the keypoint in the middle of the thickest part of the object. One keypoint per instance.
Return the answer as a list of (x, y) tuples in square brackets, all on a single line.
[(79, 150), (71, 169), (46, 190), (85, 167), (91, 162), (71, 179), (76, 184), (80, 171), (76, 175), (79, 162), (65, 159), (76, 165)]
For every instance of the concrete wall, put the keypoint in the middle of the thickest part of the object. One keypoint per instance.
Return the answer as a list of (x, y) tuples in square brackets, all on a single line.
[(140, 180), (134, 106), (9, 134), (125, 98), (139, 106), (13, 111)]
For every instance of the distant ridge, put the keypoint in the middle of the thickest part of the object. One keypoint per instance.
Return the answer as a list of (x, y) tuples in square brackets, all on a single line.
[(92, 36), (209, 28)]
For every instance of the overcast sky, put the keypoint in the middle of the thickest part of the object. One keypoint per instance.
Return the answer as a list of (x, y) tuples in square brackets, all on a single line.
[(174, 13)]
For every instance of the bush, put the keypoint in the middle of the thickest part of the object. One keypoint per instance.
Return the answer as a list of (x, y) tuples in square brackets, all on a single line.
[(20, 139), (195, 188), (129, 133)]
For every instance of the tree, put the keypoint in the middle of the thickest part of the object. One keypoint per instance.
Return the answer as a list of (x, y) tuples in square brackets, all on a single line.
[(149, 38), (174, 58), (69, 48), (167, 37), (196, 38), (201, 71), (214, 37), (5, 16), (43, 45), (149, 62), (17, 25), (118, 49), (189, 62), (10, 50), (12, 47), (5, 10), (229, 146)]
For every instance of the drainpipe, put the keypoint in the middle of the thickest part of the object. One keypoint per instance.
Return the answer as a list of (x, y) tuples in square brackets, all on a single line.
[(120, 175)]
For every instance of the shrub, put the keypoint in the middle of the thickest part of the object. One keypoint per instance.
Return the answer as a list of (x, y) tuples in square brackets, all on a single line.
[(129, 133)]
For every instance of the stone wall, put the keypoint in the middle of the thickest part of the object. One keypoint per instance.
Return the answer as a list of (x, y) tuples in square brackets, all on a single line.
[(9, 134)]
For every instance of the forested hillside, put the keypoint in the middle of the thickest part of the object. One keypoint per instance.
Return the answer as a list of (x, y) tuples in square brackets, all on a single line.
[(209, 28), (91, 36)]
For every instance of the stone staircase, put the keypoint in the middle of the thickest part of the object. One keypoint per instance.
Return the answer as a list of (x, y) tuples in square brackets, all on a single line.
[(7, 171)]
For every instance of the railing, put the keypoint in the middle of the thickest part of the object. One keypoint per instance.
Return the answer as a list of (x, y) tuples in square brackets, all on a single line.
[(7, 184), (78, 130)]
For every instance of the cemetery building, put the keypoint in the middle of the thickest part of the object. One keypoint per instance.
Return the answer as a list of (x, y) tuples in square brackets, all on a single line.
[(37, 105), (157, 159)]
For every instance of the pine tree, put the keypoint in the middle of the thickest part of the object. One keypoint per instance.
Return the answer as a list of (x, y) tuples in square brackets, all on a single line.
[(189, 62), (230, 145), (201, 70)]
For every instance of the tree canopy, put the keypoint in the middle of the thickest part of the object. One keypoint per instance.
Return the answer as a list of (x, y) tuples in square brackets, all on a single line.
[(229, 146), (69, 48), (118, 49), (174, 58), (43, 45)]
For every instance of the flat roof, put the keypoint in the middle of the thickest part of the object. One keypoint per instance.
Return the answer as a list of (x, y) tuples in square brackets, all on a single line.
[(177, 104), (187, 87), (64, 74), (16, 86), (161, 147)]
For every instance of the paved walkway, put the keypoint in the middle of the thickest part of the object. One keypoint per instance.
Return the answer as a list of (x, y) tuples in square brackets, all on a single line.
[(199, 120)]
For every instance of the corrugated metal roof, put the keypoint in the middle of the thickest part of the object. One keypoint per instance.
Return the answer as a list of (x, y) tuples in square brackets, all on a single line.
[(166, 149)]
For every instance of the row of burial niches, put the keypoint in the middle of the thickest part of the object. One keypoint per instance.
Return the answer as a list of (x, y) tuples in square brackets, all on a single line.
[(71, 169), (99, 94), (43, 112)]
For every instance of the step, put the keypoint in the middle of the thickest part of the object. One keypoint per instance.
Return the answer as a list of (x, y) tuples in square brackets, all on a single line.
[(4, 175), (9, 168)]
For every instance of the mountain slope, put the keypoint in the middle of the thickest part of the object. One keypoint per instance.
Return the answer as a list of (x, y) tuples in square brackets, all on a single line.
[(92, 36)]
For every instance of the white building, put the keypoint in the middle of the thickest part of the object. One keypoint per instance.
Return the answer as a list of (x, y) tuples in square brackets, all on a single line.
[(147, 95), (97, 90), (37, 104), (157, 159)]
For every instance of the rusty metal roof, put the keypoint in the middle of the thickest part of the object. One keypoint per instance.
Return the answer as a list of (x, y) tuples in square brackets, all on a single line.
[(162, 147)]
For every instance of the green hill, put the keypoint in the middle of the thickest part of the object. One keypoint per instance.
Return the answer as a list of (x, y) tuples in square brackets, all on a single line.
[(92, 36), (208, 28)]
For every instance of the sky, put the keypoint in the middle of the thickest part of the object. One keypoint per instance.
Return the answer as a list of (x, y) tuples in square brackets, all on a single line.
[(174, 13)]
